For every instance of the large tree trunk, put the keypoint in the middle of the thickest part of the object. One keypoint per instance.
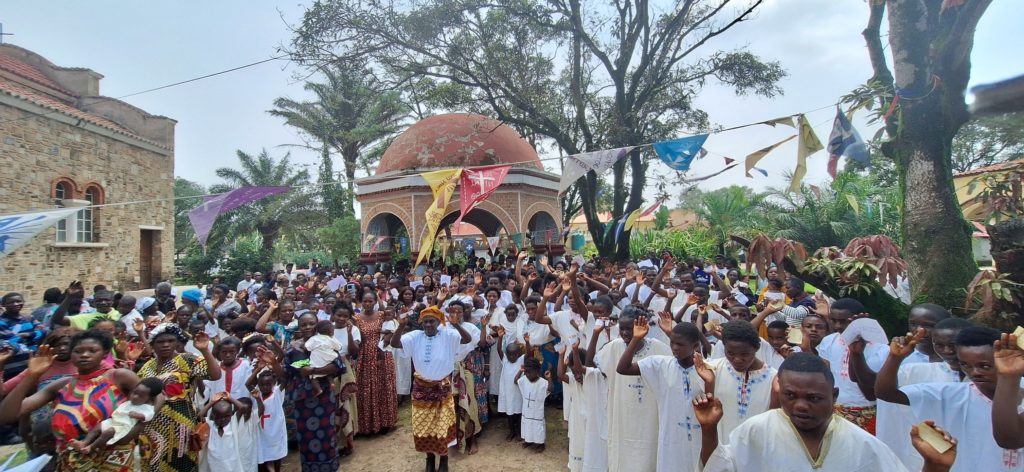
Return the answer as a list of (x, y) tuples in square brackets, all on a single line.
[(930, 48)]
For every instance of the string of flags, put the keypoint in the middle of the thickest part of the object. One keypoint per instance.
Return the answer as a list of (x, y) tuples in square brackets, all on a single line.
[(679, 154)]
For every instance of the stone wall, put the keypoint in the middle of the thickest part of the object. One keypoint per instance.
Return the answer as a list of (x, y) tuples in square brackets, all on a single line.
[(34, 153)]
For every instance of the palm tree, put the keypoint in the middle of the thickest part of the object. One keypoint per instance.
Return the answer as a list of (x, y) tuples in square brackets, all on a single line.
[(269, 216), (351, 113), (726, 211)]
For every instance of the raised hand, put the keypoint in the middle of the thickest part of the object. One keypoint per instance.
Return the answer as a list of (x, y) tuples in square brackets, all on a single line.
[(1009, 356), (708, 410), (139, 325), (599, 325), (665, 321), (550, 289), (6, 353), (705, 372), (500, 330), (566, 284), (857, 346), (521, 256), (692, 299), (775, 306), (134, 351), (640, 327), (201, 341), (821, 304), (904, 346), (928, 452), (454, 319), (526, 338), (41, 361)]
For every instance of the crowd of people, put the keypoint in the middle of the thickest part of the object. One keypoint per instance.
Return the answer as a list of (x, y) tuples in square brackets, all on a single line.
[(654, 365)]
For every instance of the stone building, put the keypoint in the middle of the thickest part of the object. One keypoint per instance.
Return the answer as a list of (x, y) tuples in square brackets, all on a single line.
[(62, 144), (394, 199)]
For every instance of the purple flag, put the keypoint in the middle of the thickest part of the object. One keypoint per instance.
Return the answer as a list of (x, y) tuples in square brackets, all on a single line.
[(203, 216)]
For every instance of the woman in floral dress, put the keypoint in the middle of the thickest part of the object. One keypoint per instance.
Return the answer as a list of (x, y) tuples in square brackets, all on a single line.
[(167, 437), (376, 397)]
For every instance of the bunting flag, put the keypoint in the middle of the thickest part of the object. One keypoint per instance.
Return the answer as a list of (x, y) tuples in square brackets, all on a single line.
[(477, 185), (758, 169), (808, 144), (577, 165), (853, 203), (203, 216), (492, 243), (679, 153), (728, 160), (403, 245), (845, 141), (816, 191), (755, 156), (549, 236), (17, 230), (785, 120), (442, 184), (619, 227), (376, 243), (705, 177), (654, 207), (517, 241), (632, 219), (442, 241)]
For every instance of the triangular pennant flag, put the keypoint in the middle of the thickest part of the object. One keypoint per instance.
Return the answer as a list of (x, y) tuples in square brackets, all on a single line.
[(376, 243), (845, 141), (619, 227), (785, 120), (808, 144), (632, 219), (853, 203), (492, 242), (816, 191), (762, 171), (442, 184), (577, 165), (729, 160), (702, 153), (759, 154), (203, 216), (679, 153), (477, 185), (654, 207), (17, 230), (705, 177)]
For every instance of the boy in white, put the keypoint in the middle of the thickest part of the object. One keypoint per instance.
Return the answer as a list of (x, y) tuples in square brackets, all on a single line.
[(138, 409), (512, 322), (323, 349), (534, 390), (742, 381), (786, 437), (632, 413), (510, 400), (851, 402), (674, 380), (964, 408), (221, 453), (273, 437)]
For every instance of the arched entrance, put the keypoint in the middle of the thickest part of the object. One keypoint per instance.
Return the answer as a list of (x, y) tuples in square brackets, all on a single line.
[(544, 234), (385, 237)]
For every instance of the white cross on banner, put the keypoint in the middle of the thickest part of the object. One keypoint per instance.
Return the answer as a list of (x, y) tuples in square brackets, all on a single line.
[(17, 230), (477, 185)]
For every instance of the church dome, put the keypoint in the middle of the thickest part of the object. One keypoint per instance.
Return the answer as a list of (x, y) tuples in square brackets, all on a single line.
[(457, 140)]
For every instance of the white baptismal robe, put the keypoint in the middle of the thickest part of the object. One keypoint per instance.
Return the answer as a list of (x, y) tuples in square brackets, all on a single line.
[(632, 409), (743, 395), (778, 448)]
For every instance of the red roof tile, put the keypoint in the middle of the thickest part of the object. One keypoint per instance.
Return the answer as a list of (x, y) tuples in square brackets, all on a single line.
[(22, 69), (993, 168), (61, 107)]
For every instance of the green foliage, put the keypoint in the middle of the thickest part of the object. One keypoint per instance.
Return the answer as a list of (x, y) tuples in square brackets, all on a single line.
[(825, 217), (727, 211), (198, 264), (988, 140), (248, 254), (661, 218), (292, 211), (183, 233), (340, 240), (693, 241)]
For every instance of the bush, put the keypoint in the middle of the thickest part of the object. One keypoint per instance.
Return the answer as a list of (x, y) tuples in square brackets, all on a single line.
[(197, 264), (247, 255), (339, 241), (692, 241)]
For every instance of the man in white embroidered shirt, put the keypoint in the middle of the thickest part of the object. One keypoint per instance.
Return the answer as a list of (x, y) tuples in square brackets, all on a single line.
[(803, 435)]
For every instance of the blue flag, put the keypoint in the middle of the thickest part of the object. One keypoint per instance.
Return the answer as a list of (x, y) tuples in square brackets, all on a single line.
[(679, 153), (845, 141)]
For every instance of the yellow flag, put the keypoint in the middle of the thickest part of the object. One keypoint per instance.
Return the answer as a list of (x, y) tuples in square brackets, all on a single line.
[(631, 220), (853, 203), (759, 154), (442, 184), (808, 144), (785, 120)]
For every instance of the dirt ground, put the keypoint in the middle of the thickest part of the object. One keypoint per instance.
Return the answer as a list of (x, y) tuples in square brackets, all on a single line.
[(394, 451)]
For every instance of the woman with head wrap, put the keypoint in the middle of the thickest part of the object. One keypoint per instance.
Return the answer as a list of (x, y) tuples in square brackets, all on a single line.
[(80, 401), (167, 436), (193, 299)]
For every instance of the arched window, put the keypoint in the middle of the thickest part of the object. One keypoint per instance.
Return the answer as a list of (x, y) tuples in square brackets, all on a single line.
[(86, 222), (62, 191)]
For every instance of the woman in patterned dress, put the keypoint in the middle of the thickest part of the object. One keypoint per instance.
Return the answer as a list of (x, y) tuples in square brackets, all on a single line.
[(167, 437), (80, 402), (315, 415), (376, 397)]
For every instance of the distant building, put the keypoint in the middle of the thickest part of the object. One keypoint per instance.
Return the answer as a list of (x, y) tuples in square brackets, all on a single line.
[(969, 186), (62, 144)]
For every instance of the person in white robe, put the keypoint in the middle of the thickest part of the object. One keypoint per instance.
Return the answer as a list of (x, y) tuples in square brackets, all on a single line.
[(221, 453), (742, 381), (635, 398), (965, 409), (804, 435), (571, 372), (513, 323), (273, 437), (534, 389)]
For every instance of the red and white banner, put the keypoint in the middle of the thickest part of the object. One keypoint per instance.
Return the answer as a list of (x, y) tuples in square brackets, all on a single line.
[(477, 185)]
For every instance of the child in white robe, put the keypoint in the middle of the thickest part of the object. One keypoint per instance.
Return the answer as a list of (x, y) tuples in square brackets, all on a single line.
[(273, 437), (323, 350), (633, 408), (510, 400), (571, 372), (512, 322), (248, 427), (534, 390), (742, 381), (221, 453)]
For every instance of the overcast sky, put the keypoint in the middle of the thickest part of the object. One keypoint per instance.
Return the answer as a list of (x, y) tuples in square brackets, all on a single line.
[(140, 45)]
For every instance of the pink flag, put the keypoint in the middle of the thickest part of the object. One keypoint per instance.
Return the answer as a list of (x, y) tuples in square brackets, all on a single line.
[(203, 216), (478, 184), (376, 243)]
